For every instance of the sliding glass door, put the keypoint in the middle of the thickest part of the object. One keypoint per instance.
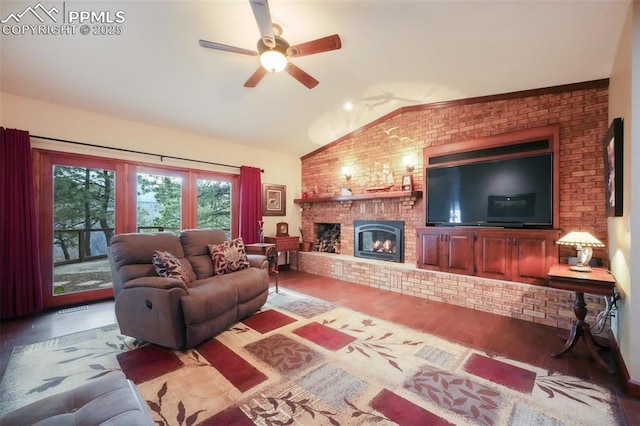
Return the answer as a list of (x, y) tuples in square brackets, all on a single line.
[(78, 200)]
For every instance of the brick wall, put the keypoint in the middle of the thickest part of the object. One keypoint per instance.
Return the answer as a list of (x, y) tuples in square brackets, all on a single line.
[(579, 110), (537, 304)]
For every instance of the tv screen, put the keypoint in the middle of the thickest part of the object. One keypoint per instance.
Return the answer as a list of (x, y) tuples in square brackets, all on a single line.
[(514, 192)]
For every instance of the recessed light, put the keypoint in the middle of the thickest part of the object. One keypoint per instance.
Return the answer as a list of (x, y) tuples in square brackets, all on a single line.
[(348, 106)]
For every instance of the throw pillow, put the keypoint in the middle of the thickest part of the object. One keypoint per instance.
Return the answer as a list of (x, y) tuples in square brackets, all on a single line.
[(229, 256), (167, 265)]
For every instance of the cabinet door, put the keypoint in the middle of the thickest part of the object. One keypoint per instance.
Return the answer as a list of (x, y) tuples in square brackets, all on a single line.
[(493, 254), (458, 251), (428, 248), (533, 255)]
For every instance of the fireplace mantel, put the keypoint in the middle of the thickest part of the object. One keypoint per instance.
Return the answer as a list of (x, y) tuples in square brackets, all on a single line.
[(412, 195)]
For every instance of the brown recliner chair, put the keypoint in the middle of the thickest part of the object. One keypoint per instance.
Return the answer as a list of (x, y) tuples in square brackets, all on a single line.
[(168, 312)]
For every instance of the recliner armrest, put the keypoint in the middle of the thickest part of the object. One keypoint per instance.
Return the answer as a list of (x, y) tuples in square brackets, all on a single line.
[(161, 283), (258, 261)]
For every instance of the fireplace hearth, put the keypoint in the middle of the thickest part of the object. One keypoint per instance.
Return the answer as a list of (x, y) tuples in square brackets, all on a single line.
[(381, 240)]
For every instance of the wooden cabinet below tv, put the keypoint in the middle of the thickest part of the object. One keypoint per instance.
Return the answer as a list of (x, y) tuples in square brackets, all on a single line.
[(520, 255), (445, 249)]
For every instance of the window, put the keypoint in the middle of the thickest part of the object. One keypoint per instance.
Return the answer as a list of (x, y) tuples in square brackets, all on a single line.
[(159, 203), (85, 200), (214, 204)]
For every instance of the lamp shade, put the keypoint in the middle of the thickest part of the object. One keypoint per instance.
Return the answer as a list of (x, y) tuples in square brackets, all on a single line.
[(579, 238)]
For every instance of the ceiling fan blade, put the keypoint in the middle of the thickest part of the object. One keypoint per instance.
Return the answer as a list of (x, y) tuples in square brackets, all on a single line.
[(256, 77), (320, 45), (301, 76), (226, 48), (265, 24)]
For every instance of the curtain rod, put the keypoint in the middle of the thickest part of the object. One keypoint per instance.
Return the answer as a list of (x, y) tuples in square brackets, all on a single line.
[(136, 152)]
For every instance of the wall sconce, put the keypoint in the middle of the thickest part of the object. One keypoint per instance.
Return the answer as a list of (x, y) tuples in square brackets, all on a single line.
[(408, 162), (584, 243), (347, 172)]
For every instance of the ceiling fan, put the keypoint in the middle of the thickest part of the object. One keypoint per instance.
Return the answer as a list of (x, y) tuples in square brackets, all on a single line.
[(275, 51)]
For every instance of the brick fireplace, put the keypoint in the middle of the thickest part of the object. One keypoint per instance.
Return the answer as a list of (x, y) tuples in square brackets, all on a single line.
[(579, 109)]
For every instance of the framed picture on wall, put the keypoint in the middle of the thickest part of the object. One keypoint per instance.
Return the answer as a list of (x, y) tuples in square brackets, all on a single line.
[(274, 200), (613, 147)]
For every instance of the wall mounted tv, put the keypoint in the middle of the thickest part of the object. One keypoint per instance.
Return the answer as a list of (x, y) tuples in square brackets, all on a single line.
[(512, 193)]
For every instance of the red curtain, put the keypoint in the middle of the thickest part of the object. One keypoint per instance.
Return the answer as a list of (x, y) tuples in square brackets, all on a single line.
[(250, 204), (20, 282)]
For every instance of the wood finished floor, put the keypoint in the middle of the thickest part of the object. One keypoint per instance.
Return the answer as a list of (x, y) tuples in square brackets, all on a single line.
[(517, 339)]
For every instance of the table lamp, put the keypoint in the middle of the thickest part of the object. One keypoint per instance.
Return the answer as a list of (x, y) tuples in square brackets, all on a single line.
[(584, 243)]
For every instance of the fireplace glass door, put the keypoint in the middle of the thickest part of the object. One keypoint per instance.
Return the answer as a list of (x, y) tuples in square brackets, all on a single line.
[(382, 240)]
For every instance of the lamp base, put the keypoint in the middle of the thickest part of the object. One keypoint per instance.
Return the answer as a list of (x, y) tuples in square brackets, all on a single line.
[(580, 268)]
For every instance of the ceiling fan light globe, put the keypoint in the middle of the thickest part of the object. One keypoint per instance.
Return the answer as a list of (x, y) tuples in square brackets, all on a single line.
[(273, 61)]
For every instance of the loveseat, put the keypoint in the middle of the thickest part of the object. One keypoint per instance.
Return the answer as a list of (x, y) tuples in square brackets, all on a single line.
[(180, 311)]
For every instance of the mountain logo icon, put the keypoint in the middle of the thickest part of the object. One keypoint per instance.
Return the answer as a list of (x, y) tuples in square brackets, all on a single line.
[(39, 11)]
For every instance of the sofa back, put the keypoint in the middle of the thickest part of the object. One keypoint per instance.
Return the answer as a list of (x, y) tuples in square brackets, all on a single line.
[(194, 243), (130, 255)]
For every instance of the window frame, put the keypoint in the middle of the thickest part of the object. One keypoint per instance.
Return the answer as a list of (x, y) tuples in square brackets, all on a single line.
[(125, 205)]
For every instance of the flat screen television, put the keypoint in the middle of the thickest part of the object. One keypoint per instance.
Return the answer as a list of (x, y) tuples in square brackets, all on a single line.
[(512, 193)]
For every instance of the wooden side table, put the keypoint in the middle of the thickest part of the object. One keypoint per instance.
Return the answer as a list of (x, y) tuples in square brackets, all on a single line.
[(286, 244), (600, 282), (268, 250)]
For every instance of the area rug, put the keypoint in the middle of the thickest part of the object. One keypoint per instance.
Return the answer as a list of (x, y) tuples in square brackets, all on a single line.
[(305, 361)]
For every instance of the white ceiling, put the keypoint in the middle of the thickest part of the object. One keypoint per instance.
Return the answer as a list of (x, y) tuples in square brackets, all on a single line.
[(394, 53)]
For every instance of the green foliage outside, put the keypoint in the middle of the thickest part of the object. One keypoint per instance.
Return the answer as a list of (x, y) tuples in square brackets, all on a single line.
[(159, 203), (163, 208), (214, 205), (83, 199)]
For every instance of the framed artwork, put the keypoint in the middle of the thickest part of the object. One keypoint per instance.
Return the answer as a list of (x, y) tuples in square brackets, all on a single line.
[(407, 183), (274, 200), (613, 147)]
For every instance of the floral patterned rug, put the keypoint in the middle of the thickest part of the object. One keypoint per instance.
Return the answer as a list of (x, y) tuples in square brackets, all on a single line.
[(305, 361)]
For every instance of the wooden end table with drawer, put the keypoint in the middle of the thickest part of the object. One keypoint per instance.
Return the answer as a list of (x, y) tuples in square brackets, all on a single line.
[(286, 244), (599, 282)]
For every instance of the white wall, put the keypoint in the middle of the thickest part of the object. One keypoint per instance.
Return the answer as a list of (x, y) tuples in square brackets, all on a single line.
[(55, 121), (624, 232)]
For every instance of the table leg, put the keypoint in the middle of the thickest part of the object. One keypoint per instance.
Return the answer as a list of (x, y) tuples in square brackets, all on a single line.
[(591, 345), (575, 334), (272, 258), (581, 328)]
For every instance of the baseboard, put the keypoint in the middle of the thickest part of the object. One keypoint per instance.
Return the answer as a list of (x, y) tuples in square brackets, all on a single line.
[(630, 387)]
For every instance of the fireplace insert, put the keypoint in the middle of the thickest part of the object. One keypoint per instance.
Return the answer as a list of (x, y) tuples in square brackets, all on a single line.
[(381, 240)]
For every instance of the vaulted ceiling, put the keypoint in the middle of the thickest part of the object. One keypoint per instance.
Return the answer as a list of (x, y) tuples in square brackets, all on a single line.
[(394, 53)]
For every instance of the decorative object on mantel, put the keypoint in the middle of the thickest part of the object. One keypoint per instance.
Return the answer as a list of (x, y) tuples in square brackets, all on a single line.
[(407, 183), (379, 178), (274, 200), (282, 229), (345, 191), (379, 188), (584, 242)]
